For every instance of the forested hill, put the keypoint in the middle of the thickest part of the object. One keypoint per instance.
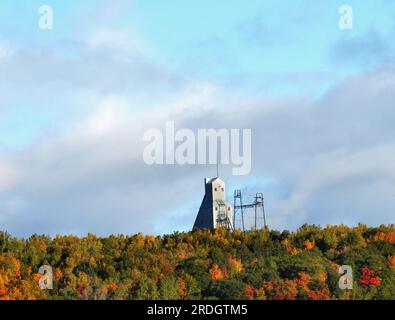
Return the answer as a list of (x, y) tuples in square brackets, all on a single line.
[(204, 265)]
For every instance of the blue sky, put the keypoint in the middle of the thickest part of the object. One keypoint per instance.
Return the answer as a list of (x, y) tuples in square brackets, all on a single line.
[(261, 46), (74, 95)]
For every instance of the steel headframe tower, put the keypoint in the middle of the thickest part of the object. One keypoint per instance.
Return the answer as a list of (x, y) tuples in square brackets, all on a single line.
[(214, 211), (239, 208)]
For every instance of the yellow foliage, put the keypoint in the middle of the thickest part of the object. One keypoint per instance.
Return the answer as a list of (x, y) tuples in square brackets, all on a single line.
[(322, 277), (260, 294), (235, 266), (293, 251)]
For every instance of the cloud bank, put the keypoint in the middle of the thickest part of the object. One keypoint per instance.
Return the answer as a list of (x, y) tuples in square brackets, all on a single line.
[(326, 160)]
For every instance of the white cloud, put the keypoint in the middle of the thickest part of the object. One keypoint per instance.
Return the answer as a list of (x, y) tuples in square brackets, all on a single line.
[(93, 179), (120, 42), (6, 51), (9, 176), (329, 160)]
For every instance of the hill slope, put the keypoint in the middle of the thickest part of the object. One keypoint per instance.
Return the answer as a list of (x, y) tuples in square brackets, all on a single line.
[(204, 265)]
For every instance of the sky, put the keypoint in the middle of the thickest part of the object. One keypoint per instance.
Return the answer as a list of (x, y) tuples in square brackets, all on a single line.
[(76, 100)]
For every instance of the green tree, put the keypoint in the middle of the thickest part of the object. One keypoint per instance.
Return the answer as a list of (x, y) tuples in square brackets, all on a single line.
[(168, 288)]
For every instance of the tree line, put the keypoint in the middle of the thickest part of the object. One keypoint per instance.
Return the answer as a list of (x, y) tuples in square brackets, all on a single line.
[(203, 264)]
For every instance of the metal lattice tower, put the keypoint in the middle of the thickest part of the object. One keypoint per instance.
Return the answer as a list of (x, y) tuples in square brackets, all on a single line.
[(258, 205), (223, 217)]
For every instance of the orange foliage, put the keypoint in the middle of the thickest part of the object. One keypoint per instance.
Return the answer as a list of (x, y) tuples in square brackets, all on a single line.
[(96, 268), (3, 292), (309, 244), (323, 294), (37, 277), (249, 292), (168, 267), (216, 273), (13, 286), (283, 289), (112, 286), (181, 288), (391, 261), (389, 236), (58, 274), (303, 281)]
